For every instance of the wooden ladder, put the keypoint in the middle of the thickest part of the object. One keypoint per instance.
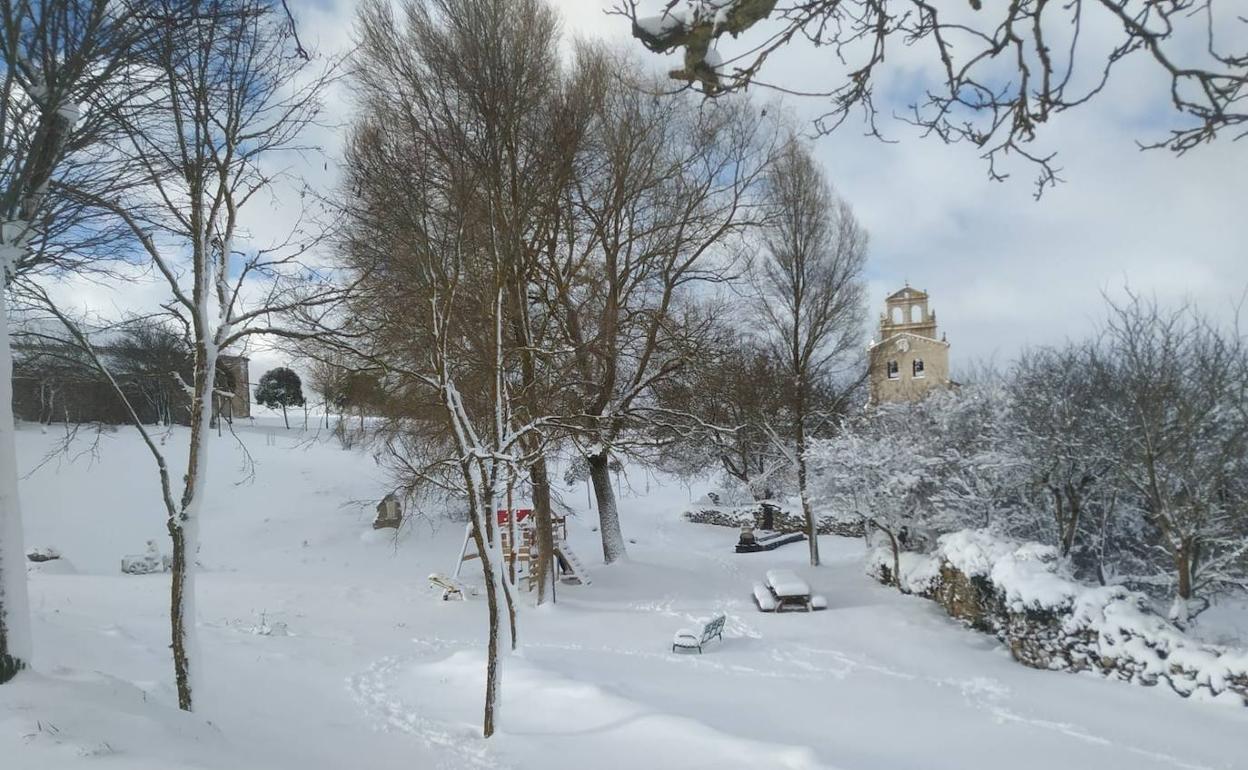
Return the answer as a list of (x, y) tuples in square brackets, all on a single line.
[(574, 565)]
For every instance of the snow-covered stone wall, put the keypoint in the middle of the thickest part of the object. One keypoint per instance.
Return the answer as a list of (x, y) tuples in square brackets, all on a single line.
[(1019, 593), (784, 520)]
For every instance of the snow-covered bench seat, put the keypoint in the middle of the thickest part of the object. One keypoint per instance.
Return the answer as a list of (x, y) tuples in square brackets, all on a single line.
[(687, 639), (764, 598)]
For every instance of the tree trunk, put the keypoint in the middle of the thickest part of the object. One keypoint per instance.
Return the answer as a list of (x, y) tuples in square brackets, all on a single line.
[(493, 669), (1072, 522), (15, 640), (608, 514), (812, 529), (540, 479), (508, 582), (1180, 610), (1066, 516), (184, 533), (181, 591), (892, 541), (284, 418), (511, 534)]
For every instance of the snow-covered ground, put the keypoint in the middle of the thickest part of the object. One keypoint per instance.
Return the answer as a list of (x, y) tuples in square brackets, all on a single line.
[(377, 672)]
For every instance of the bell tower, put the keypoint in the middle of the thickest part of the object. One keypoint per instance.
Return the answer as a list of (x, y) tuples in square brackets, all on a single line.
[(907, 361), (907, 310)]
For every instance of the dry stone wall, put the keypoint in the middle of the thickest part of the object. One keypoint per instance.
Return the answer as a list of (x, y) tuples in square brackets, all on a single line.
[(1018, 593), (783, 520)]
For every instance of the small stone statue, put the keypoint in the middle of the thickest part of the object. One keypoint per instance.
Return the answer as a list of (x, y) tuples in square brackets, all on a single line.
[(747, 535), (389, 513)]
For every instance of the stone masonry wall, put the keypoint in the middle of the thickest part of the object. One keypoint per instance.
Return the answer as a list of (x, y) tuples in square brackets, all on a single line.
[(783, 520), (1049, 621)]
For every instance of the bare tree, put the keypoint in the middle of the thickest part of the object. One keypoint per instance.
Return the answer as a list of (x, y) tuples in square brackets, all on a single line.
[(327, 377), (664, 190), (735, 391), (1059, 425), (457, 160), (1182, 436), (998, 72), (810, 296), (60, 56), (229, 97), (153, 359)]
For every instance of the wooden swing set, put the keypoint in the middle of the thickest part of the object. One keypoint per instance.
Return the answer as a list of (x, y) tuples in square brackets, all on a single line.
[(518, 538)]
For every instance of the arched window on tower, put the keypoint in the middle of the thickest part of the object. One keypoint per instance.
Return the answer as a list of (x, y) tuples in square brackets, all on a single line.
[(893, 371), (917, 368), (916, 314)]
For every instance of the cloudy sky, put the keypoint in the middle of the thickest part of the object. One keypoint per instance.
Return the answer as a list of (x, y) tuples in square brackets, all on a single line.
[(1004, 270)]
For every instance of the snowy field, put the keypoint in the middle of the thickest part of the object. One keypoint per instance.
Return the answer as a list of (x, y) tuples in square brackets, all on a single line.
[(377, 672)]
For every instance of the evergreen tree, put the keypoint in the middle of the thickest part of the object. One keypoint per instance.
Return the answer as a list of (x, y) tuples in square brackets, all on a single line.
[(280, 387)]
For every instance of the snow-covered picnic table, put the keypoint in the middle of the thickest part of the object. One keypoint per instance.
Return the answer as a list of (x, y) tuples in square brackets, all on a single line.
[(784, 588), (786, 584)]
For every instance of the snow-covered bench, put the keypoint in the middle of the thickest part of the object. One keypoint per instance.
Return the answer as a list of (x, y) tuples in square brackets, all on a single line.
[(751, 542), (150, 562), (687, 639), (451, 589), (783, 589)]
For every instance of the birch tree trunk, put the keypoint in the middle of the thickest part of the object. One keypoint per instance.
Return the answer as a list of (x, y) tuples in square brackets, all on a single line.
[(184, 533), (493, 665), (15, 641), (29, 169)]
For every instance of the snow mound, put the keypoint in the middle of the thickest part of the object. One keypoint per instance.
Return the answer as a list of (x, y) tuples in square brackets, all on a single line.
[(1026, 573), (76, 718), (58, 566), (595, 726)]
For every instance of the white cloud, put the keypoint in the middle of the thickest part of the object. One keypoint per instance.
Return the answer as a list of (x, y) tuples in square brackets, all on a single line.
[(1003, 270)]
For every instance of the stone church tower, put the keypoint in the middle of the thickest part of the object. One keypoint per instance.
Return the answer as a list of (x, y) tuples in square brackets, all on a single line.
[(907, 361), (234, 377)]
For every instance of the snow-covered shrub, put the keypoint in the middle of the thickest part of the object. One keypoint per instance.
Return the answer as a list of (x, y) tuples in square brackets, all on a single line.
[(1021, 593), (919, 573)]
